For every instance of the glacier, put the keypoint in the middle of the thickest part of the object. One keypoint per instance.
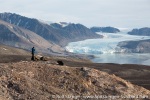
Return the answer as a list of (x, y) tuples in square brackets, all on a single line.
[(108, 44), (106, 50)]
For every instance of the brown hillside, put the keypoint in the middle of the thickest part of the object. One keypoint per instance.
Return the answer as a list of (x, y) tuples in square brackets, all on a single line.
[(7, 50), (11, 54), (47, 81)]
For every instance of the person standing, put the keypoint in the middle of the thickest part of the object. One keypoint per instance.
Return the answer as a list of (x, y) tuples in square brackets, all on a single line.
[(33, 51)]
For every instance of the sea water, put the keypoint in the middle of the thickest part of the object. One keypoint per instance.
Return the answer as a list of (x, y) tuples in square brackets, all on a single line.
[(106, 50)]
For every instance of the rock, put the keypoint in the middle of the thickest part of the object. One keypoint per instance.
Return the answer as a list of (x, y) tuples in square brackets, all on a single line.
[(44, 58), (59, 62)]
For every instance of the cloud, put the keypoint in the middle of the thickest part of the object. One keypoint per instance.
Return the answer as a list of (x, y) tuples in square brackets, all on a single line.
[(89, 12)]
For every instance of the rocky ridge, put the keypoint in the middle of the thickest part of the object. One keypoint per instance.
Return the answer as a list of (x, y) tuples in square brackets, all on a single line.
[(142, 31), (105, 29)]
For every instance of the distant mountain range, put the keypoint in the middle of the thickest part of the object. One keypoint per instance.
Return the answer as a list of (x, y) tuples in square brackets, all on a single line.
[(105, 29), (48, 32), (142, 31), (75, 32), (23, 32)]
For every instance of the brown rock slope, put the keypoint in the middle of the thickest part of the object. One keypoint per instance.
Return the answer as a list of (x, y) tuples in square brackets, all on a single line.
[(48, 81), (11, 54), (8, 50)]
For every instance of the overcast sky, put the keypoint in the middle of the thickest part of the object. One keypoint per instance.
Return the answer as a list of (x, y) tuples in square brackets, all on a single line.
[(117, 13)]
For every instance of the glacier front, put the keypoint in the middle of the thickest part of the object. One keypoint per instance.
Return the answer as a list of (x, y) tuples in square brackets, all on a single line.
[(106, 49)]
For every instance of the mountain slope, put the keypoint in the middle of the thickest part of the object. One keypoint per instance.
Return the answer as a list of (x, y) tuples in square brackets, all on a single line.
[(8, 50), (142, 46), (18, 37), (58, 36), (47, 81), (12, 54), (76, 31), (34, 25)]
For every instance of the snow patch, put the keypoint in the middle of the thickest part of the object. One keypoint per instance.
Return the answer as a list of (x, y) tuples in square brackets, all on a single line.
[(4, 49), (63, 24), (19, 22)]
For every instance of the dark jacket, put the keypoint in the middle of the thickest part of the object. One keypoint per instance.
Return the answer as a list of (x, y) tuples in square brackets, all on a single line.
[(33, 50)]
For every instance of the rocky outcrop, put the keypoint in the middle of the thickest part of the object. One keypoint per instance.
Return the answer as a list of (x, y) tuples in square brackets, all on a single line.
[(142, 46), (47, 81), (105, 29), (142, 32), (48, 32)]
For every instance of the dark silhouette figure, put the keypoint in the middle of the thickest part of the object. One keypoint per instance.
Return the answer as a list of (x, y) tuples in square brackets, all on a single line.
[(33, 51), (59, 62)]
